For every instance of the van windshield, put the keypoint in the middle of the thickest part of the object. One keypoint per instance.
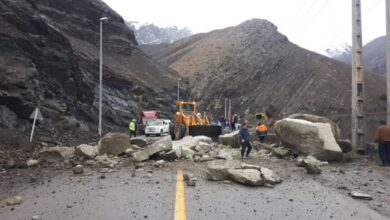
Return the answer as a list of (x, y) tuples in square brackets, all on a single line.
[(156, 123)]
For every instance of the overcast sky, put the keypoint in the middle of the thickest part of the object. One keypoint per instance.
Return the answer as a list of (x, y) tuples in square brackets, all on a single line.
[(312, 24)]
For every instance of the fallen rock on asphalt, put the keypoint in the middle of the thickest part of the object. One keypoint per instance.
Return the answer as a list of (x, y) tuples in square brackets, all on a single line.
[(87, 151), (316, 139), (56, 154), (139, 141), (190, 179), (35, 217), (217, 170), (270, 176), (13, 200), (360, 195), (312, 169), (31, 162), (250, 177), (170, 155), (310, 160), (105, 161), (280, 152), (311, 164), (114, 143), (231, 139), (79, 169), (162, 145), (247, 174), (140, 155)]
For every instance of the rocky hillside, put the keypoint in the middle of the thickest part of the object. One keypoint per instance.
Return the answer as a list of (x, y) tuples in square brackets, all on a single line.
[(260, 70), (374, 56), (152, 34), (49, 57)]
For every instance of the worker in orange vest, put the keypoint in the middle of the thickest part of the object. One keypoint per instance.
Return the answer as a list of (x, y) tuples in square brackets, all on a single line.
[(261, 131)]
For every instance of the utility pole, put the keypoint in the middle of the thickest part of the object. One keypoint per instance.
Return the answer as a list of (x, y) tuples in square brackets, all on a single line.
[(358, 121), (225, 109), (230, 108), (388, 59), (178, 89), (101, 74)]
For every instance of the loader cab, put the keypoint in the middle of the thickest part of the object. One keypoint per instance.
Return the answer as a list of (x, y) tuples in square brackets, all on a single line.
[(186, 108)]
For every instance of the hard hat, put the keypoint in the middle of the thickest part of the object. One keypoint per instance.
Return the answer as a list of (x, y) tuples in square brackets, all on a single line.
[(134, 120)]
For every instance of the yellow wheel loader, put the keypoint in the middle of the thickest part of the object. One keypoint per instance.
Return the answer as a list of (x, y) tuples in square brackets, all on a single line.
[(189, 121)]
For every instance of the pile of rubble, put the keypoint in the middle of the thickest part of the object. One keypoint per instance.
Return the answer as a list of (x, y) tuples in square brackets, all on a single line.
[(113, 148)]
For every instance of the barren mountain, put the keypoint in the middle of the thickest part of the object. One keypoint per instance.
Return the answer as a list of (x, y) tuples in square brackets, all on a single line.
[(152, 34), (374, 56), (260, 70), (49, 57)]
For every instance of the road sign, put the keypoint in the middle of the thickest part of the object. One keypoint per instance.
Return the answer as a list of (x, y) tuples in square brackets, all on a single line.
[(39, 115)]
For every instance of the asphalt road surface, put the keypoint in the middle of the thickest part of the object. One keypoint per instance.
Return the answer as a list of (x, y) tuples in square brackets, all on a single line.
[(154, 193)]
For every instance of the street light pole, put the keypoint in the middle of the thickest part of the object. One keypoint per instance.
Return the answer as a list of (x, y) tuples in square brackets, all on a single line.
[(101, 74), (178, 89)]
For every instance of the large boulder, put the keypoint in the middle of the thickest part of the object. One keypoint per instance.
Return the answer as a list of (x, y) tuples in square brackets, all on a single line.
[(139, 141), (250, 177), (236, 171), (56, 154), (269, 176), (218, 169), (319, 119), (162, 145), (308, 138), (202, 138), (114, 143), (231, 139), (87, 151)]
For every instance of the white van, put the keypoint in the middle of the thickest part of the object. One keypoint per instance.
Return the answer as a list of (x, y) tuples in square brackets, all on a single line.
[(157, 127)]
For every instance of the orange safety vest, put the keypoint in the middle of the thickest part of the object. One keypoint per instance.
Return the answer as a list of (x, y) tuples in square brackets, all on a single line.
[(262, 128)]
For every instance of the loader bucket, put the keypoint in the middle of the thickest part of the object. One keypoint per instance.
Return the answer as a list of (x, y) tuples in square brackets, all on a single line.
[(212, 131)]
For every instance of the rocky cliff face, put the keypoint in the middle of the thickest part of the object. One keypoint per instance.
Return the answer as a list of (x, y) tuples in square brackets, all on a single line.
[(49, 57), (260, 70)]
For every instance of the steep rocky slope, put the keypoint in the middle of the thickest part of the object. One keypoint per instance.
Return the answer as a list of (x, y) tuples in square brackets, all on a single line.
[(260, 70), (374, 56), (49, 57)]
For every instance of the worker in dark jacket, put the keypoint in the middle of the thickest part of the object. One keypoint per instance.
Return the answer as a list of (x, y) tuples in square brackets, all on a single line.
[(382, 137), (245, 140)]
